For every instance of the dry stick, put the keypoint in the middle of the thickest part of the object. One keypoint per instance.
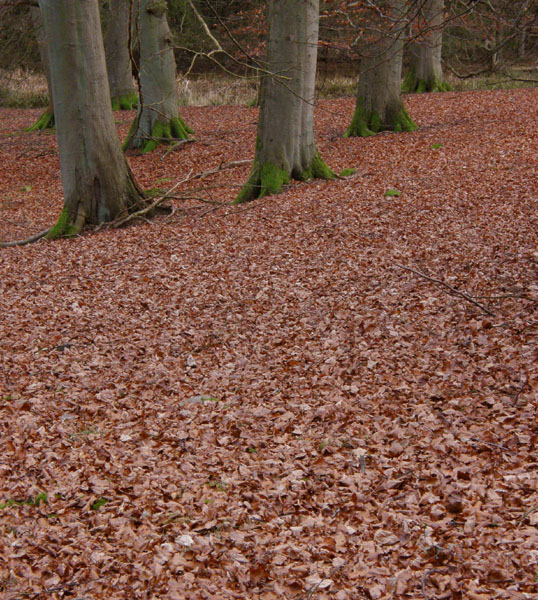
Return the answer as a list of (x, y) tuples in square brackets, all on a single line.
[(452, 289), (221, 167), (144, 211), (424, 580), (523, 386), (29, 240), (175, 146)]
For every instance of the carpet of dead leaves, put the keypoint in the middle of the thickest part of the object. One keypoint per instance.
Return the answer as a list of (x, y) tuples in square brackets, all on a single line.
[(326, 394)]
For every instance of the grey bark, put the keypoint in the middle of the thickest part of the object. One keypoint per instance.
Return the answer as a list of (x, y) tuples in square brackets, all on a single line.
[(37, 23), (46, 120), (379, 105), (158, 116), (425, 69), (98, 184), (118, 59), (285, 146)]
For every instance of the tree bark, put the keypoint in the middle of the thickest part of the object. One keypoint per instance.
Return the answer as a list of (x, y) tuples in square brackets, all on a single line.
[(118, 59), (158, 117), (285, 146), (425, 70), (379, 105), (98, 184), (46, 120)]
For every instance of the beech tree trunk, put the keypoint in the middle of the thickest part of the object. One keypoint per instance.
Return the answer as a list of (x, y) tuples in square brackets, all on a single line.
[(285, 146), (379, 105), (118, 60), (98, 184), (46, 120), (158, 117), (425, 69)]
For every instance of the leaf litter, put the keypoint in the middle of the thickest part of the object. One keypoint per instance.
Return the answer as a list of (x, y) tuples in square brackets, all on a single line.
[(258, 401)]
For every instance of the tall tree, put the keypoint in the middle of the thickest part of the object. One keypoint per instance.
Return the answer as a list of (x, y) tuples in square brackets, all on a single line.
[(379, 105), (158, 117), (98, 184), (46, 120), (425, 70), (118, 59), (285, 146)]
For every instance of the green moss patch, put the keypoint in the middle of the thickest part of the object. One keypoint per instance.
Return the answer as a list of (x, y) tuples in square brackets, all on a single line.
[(45, 121), (366, 123), (413, 85), (64, 227), (125, 102)]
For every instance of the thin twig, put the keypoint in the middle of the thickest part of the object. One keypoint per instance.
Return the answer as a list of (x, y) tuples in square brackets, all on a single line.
[(528, 512), (452, 289), (221, 167), (144, 211), (424, 581), (522, 387), (176, 146)]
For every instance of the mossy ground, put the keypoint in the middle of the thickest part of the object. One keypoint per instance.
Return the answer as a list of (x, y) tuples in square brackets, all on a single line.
[(45, 121)]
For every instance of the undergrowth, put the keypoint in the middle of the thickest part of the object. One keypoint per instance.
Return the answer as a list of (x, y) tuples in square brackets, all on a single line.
[(23, 89)]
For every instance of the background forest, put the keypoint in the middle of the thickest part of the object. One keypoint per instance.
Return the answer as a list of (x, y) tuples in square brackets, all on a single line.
[(485, 44)]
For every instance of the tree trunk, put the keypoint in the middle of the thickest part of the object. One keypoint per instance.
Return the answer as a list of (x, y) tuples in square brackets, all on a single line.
[(158, 118), (118, 59), (98, 184), (379, 105), (425, 70), (46, 120), (285, 146)]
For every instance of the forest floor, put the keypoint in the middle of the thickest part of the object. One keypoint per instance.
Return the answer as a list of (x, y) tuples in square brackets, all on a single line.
[(326, 394)]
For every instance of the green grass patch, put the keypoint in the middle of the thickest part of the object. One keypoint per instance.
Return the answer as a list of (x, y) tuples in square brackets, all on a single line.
[(99, 503), (392, 193), (39, 499)]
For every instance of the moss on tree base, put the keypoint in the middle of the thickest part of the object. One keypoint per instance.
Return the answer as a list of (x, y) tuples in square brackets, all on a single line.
[(402, 121), (162, 133), (318, 169), (413, 85), (269, 179), (45, 121), (366, 123), (125, 102), (360, 124), (66, 226)]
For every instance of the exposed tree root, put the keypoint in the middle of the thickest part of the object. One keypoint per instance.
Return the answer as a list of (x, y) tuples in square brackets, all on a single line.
[(45, 121), (413, 85), (125, 102), (268, 178), (162, 133), (29, 240), (366, 123)]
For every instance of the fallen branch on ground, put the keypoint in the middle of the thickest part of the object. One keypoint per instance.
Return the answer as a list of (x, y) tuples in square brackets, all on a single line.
[(176, 146), (29, 240), (147, 209), (452, 289), (221, 167)]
